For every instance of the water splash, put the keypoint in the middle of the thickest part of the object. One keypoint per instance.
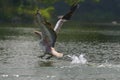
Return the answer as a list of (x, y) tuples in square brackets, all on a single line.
[(78, 59)]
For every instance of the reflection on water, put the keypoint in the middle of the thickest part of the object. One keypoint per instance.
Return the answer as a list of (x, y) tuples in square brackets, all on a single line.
[(45, 63), (19, 61)]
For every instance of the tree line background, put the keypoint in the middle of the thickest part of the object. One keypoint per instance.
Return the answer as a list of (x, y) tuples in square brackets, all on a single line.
[(23, 11)]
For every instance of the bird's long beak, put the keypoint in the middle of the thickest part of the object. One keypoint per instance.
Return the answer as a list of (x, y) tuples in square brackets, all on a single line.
[(55, 53)]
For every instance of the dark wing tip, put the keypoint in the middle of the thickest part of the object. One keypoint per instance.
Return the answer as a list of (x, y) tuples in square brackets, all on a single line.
[(70, 13), (74, 6)]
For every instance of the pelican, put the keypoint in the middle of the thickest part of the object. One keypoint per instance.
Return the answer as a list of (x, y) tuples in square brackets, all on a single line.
[(48, 37), (48, 34), (65, 17)]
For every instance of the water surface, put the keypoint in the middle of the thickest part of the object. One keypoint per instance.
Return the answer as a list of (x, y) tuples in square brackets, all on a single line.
[(19, 49)]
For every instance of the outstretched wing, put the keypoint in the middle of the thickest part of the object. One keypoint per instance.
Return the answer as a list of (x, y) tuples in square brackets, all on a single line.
[(48, 33), (70, 13), (66, 17)]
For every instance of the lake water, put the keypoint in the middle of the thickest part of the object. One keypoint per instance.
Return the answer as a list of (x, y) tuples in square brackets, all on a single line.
[(19, 48)]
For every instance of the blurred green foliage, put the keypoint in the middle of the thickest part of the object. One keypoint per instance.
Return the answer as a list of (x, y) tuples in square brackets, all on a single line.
[(46, 12), (23, 11)]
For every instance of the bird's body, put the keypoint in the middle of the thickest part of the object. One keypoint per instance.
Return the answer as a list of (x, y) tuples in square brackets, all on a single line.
[(48, 37)]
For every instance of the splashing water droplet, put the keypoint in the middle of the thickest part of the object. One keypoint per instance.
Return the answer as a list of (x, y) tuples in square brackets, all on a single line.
[(16, 75), (78, 59), (4, 75)]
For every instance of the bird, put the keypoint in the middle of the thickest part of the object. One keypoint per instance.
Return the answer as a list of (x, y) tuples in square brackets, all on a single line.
[(48, 37), (48, 34)]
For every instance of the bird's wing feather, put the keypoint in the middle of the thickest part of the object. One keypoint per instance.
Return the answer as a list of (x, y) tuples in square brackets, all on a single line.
[(47, 32), (68, 15), (65, 17)]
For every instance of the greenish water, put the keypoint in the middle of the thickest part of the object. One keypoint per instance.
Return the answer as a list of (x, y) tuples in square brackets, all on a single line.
[(19, 48)]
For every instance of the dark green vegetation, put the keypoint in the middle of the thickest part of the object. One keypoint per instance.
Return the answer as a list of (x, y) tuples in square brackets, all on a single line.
[(23, 11)]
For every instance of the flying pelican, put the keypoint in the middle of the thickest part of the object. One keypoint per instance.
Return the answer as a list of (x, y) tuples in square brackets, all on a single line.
[(65, 17), (48, 34)]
